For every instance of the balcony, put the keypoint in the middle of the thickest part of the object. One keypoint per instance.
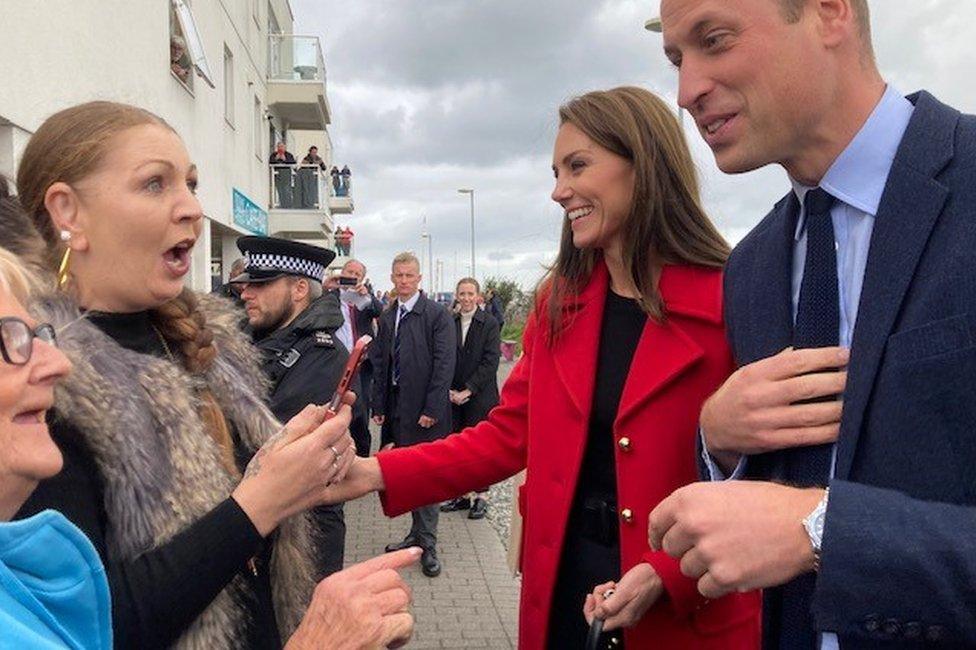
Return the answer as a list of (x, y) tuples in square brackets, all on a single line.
[(296, 81), (303, 198)]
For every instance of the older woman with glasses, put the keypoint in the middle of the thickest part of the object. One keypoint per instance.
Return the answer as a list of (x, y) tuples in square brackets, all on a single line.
[(53, 590)]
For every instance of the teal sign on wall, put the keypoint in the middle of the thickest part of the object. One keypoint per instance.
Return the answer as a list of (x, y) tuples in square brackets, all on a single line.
[(248, 214)]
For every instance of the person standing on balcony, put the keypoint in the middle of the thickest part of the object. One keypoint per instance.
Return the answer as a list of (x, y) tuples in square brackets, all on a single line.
[(313, 158), (346, 180), (336, 180), (283, 162), (308, 180)]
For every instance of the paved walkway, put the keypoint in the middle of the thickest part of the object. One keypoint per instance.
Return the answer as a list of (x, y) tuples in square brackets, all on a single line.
[(472, 604)]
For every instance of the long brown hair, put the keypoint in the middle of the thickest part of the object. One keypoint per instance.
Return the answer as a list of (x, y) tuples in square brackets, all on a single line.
[(68, 147), (666, 223)]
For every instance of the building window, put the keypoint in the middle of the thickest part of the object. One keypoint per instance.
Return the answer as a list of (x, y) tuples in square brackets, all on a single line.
[(179, 56), (228, 85), (184, 34), (258, 129)]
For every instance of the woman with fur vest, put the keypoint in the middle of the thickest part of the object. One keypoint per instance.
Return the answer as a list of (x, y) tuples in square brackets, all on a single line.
[(203, 548)]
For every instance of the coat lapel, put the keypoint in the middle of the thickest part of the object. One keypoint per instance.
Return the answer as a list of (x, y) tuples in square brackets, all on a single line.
[(665, 351), (909, 209), (770, 291), (576, 351)]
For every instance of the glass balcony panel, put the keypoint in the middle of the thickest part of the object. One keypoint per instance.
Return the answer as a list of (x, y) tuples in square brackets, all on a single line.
[(295, 58), (303, 187)]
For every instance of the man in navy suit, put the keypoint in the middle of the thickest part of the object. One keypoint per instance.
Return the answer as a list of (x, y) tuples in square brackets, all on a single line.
[(851, 310)]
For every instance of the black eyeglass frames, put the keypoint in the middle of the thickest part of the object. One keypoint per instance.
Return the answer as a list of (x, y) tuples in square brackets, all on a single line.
[(17, 339)]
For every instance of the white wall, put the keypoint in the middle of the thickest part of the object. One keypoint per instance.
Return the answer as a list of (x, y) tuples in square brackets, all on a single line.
[(63, 52)]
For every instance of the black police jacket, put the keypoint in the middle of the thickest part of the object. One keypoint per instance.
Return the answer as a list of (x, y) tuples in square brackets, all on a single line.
[(304, 360)]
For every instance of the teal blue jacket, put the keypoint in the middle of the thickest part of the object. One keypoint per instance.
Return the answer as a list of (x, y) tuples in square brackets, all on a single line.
[(53, 590)]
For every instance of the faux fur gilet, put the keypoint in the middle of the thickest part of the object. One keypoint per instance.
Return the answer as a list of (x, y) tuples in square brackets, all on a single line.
[(160, 469)]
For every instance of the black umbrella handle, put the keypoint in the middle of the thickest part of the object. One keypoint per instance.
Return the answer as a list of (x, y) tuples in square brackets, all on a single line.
[(596, 631)]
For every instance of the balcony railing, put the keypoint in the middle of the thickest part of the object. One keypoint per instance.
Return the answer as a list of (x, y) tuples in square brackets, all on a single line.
[(295, 58), (303, 187)]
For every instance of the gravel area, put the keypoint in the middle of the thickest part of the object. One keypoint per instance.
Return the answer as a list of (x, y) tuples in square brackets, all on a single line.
[(502, 494), (500, 510)]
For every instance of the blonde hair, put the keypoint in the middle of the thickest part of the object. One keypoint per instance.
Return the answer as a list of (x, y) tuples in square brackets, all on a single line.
[(406, 258), (69, 146), (14, 278)]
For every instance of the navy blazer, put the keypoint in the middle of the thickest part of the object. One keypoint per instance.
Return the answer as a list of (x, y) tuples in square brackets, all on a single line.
[(899, 549), (427, 357)]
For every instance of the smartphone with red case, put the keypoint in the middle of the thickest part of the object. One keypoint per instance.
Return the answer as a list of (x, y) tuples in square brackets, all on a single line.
[(349, 374)]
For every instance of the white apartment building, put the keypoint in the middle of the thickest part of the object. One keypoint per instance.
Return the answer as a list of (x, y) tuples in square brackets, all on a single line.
[(241, 83)]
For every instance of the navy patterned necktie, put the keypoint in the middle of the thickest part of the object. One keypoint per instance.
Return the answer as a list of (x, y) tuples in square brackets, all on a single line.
[(396, 344), (788, 619), (817, 320)]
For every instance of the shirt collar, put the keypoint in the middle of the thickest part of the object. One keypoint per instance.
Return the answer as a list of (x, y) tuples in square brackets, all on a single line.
[(410, 304), (859, 174)]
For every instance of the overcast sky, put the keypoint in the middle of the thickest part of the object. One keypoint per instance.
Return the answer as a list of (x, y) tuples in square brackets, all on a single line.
[(429, 96)]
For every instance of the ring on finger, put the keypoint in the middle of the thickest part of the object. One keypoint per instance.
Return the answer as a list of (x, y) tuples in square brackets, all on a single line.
[(609, 592), (336, 452)]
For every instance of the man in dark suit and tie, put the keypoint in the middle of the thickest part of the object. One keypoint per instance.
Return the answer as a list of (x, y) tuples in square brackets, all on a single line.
[(851, 309), (414, 357), (360, 309)]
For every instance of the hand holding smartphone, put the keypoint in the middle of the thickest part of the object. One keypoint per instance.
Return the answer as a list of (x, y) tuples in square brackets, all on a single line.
[(348, 375)]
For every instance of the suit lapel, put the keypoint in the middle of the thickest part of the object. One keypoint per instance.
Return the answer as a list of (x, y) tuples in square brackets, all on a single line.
[(770, 290), (575, 353), (909, 209)]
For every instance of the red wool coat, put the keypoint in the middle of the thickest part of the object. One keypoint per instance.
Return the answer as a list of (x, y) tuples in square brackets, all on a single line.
[(542, 422)]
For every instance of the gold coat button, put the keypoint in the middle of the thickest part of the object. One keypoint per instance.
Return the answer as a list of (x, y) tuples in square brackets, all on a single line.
[(624, 444), (627, 515)]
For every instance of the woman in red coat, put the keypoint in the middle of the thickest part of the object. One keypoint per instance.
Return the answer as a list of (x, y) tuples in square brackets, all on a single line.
[(625, 343)]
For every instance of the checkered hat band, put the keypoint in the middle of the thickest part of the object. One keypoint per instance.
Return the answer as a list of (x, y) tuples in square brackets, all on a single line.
[(285, 263)]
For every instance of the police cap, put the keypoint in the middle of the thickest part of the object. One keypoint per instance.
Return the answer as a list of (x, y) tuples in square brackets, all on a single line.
[(269, 258)]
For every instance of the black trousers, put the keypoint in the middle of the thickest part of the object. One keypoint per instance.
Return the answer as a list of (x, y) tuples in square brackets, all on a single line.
[(584, 565), (423, 531)]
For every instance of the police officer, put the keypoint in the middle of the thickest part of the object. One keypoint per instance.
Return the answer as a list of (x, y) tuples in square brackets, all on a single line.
[(294, 325)]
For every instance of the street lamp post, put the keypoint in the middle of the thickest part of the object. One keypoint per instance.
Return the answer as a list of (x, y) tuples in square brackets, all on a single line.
[(470, 192), (425, 234)]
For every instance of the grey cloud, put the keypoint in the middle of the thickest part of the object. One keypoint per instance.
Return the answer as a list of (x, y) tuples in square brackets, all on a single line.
[(433, 95)]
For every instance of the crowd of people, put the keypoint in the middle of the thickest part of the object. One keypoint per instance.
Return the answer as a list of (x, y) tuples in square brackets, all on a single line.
[(724, 449)]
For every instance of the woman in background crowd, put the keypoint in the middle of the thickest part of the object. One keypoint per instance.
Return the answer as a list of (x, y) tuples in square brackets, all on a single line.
[(624, 344), (474, 390), (164, 407)]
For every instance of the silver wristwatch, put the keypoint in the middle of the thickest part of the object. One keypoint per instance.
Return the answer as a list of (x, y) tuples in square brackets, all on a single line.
[(814, 525)]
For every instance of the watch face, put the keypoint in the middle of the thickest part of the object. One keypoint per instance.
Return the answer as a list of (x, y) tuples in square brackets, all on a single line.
[(818, 524)]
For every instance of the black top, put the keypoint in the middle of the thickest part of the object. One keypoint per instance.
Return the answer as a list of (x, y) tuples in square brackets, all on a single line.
[(158, 594), (623, 323), (591, 549)]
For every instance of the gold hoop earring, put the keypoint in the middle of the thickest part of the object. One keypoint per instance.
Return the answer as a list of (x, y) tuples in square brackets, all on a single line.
[(65, 261)]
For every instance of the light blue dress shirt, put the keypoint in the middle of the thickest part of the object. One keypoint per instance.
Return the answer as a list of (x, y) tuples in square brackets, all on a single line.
[(857, 180)]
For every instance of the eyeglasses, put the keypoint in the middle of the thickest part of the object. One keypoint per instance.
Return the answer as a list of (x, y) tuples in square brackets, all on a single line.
[(17, 339)]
